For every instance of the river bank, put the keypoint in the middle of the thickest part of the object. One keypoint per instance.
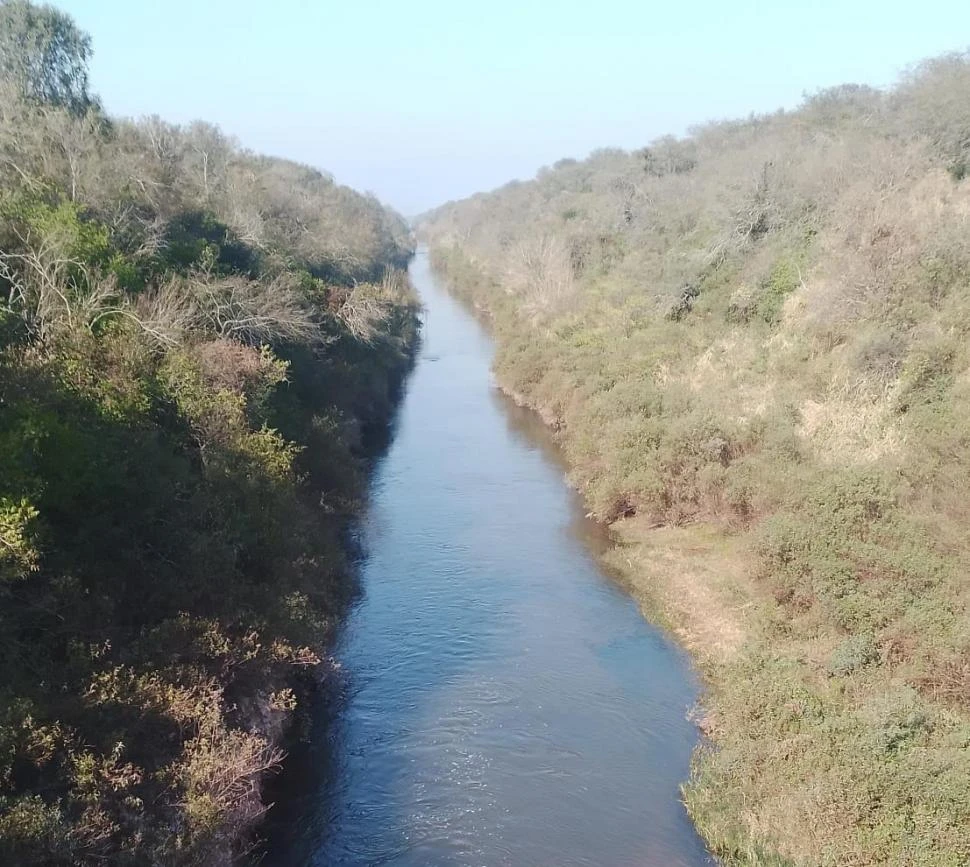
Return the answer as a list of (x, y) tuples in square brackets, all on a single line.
[(694, 581), (503, 702), (827, 741)]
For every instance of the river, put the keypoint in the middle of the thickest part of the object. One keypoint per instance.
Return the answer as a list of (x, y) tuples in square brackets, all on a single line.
[(503, 700)]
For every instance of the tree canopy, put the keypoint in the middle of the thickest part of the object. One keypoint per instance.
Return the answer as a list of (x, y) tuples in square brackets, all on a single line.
[(44, 55)]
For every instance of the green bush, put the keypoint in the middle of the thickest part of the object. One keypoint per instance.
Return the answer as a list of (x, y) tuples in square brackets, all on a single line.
[(180, 389), (854, 653)]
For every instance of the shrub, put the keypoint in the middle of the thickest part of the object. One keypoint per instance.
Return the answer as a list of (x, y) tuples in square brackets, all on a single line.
[(852, 654)]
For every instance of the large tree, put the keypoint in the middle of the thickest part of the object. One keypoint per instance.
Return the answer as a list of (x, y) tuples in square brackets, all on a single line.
[(43, 54)]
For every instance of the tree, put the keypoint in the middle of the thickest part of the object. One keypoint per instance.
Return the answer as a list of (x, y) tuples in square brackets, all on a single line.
[(44, 55)]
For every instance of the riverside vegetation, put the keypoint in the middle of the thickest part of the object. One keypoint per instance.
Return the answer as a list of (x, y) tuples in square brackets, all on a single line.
[(753, 343), (194, 344)]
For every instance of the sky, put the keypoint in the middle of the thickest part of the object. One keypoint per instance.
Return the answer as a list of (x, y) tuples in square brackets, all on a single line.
[(422, 101)]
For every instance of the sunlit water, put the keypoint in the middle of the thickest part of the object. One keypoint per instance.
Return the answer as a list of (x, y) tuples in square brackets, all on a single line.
[(503, 700)]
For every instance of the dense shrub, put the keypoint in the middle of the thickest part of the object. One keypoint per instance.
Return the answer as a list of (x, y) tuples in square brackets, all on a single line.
[(194, 344)]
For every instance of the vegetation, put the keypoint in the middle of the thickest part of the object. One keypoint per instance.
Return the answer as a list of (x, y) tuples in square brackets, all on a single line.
[(754, 344), (194, 344)]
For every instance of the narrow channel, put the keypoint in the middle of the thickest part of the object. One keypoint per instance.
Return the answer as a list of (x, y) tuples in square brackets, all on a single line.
[(504, 701)]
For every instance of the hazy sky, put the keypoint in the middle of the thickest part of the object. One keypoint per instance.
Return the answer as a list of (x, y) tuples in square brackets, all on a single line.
[(422, 101)]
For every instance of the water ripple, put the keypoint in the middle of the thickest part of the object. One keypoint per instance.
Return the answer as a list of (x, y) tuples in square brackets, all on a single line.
[(504, 702)]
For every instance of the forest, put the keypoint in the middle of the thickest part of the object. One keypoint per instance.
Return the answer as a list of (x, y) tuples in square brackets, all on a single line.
[(199, 348), (752, 343)]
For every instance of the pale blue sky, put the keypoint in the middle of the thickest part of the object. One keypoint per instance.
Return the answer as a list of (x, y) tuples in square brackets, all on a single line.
[(422, 101)]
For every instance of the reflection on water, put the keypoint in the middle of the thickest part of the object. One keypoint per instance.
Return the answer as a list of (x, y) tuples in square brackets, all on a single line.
[(503, 702), (528, 430)]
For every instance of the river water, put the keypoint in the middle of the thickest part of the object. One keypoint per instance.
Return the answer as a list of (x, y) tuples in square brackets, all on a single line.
[(504, 703)]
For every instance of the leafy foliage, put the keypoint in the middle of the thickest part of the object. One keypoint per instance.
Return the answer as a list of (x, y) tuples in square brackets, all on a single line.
[(44, 55), (181, 386)]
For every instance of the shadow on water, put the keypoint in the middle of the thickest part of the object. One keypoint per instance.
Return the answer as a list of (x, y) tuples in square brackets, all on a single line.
[(309, 769), (500, 700)]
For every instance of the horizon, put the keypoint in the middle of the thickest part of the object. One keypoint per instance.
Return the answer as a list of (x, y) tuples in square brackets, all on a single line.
[(422, 111)]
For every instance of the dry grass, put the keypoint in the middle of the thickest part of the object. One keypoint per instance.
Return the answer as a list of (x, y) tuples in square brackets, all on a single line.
[(694, 578), (851, 428)]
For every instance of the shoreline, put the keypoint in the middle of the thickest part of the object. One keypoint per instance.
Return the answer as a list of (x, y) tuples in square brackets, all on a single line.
[(675, 574), (830, 737), (319, 688), (706, 620)]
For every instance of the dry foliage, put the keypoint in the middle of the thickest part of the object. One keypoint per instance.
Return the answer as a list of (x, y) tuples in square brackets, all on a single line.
[(765, 347)]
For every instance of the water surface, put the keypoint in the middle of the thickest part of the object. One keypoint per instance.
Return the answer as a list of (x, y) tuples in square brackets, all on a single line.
[(504, 703)]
